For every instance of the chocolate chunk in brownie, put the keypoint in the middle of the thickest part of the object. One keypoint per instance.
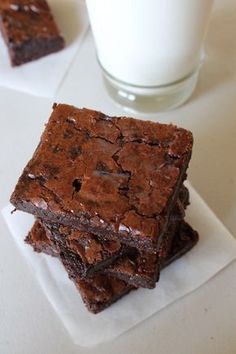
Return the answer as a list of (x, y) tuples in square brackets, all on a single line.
[(29, 30), (115, 177), (102, 290)]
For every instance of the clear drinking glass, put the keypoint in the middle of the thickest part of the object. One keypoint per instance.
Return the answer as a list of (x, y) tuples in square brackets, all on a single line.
[(150, 51)]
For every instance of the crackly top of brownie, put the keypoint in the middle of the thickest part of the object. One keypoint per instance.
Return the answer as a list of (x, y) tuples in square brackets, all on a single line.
[(26, 19), (115, 174)]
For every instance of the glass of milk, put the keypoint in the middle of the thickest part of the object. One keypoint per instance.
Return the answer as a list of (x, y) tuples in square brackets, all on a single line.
[(150, 51)]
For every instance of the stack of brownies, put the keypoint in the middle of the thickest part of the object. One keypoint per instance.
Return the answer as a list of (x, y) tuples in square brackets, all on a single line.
[(109, 200)]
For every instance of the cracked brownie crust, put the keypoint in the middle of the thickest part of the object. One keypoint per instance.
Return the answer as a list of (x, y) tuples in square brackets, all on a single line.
[(29, 30), (114, 177)]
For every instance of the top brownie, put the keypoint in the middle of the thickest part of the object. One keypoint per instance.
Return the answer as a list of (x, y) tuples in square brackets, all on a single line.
[(115, 177), (29, 30)]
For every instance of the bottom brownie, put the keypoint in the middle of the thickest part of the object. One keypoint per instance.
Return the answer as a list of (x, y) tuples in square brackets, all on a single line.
[(102, 290)]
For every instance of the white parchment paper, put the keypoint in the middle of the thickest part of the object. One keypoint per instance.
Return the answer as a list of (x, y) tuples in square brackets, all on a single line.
[(42, 77), (215, 250)]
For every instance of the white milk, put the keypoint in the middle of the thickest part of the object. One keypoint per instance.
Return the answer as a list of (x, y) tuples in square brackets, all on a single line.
[(149, 42)]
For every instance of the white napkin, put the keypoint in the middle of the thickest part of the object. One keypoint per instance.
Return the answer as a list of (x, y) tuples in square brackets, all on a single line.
[(215, 250), (42, 77)]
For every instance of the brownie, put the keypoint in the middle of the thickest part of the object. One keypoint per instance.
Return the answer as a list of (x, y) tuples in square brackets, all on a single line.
[(102, 290), (114, 177), (29, 30)]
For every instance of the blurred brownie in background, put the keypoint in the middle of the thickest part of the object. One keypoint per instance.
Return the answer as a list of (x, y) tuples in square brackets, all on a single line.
[(29, 30)]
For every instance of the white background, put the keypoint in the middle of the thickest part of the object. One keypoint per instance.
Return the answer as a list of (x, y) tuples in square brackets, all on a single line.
[(202, 322)]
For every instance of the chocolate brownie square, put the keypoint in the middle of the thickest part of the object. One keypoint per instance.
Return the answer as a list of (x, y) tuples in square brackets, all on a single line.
[(29, 30), (114, 177), (102, 290)]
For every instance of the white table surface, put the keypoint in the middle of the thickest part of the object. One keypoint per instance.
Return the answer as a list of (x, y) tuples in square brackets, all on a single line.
[(203, 322)]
